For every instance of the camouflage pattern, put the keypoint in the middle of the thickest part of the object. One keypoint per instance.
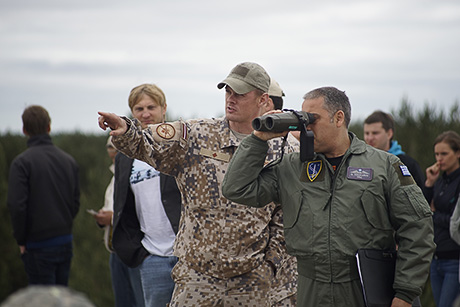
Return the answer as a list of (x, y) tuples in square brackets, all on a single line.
[(284, 285), (217, 238), (195, 289)]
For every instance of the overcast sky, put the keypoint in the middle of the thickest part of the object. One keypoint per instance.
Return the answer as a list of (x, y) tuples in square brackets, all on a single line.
[(79, 57)]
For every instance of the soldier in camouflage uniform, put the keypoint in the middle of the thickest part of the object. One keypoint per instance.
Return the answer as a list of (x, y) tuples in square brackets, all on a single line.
[(281, 294), (228, 253)]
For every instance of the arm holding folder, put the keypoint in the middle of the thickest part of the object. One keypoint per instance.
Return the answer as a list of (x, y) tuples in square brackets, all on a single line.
[(377, 271)]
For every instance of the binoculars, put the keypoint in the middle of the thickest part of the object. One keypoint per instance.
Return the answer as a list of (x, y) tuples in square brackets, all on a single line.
[(290, 120), (279, 122)]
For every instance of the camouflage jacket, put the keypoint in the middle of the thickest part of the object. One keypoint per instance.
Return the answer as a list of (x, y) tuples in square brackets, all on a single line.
[(216, 236)]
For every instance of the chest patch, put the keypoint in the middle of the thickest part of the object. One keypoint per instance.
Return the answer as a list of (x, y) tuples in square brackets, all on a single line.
[(215, 155), (359, 173), (313, 169)]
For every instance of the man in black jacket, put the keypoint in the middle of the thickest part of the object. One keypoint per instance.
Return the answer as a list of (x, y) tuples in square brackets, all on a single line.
[(379, 131), (43, 199), (147, 208)]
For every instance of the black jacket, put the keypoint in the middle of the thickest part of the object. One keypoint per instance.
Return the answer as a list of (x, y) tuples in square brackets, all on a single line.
[(43, 191), (414, 169), (444, 195), (127, 234)]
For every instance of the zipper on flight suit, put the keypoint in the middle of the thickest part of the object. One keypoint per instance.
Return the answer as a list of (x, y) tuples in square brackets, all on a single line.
[(329, 204)]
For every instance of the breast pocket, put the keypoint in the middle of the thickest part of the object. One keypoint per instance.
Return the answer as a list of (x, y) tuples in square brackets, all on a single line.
[(298, 224), (376, 210)]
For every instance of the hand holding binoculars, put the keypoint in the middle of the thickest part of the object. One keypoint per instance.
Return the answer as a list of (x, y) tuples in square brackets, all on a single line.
[(287, 121), (290, 120)]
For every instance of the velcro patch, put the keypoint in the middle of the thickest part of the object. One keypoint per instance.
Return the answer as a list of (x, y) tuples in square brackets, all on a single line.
[(242, 71)]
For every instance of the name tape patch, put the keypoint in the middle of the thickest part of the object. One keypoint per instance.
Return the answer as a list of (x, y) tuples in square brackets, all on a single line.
[(359, 173), (222, 156)]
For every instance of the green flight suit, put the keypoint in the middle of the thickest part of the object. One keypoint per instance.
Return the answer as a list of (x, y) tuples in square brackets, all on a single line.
[(370, 201)]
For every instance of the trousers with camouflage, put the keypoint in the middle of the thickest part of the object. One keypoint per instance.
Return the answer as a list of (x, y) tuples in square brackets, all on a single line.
[(195, 289)]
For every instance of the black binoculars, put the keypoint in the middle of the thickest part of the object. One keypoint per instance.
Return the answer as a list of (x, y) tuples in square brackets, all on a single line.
[(279, 122), (290, 120)]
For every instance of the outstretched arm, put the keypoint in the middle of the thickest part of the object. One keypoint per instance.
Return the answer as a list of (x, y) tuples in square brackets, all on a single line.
[(112, 121)]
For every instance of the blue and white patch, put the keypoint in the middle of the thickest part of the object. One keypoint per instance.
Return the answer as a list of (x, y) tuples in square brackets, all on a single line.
[(359, 173), (313, 169), (404, 170)]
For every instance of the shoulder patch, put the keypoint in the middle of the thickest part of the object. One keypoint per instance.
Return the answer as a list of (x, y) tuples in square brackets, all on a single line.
[(404, 170), (166, 131), (404, 176), (172, 131)]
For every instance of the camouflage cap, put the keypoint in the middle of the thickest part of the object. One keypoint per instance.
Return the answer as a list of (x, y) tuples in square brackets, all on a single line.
[(275, 89), (246, 77)]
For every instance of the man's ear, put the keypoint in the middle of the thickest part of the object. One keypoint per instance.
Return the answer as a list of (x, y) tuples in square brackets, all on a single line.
[(164, 112), (263, 100), (24, 131), (270, 104), (390, 133), (339, 118)]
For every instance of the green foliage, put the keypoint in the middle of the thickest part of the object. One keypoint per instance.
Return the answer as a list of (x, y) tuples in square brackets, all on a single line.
[(416, 131), (12, 275)]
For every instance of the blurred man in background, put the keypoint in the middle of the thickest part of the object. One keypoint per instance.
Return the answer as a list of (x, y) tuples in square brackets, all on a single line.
[(379, 130), (43, 199), (147, 207)]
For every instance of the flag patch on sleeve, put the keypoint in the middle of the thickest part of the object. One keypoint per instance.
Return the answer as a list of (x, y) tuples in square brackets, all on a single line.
[(404, 170)]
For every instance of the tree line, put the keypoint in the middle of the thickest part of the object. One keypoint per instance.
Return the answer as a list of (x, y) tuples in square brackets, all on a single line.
[(415, 131)]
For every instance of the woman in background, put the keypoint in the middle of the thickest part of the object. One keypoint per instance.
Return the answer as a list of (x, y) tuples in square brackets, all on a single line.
[(442, 187)]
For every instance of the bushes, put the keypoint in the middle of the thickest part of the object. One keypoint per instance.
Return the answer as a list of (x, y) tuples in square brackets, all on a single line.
[(416, 132)]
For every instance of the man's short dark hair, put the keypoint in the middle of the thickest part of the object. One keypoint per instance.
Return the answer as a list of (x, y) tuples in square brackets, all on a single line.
[(36, 120), (381, 117), (277, 102), (334, 100)]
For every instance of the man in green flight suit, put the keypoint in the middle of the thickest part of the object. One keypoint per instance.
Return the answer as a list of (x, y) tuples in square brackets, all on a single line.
[(349, 196)]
